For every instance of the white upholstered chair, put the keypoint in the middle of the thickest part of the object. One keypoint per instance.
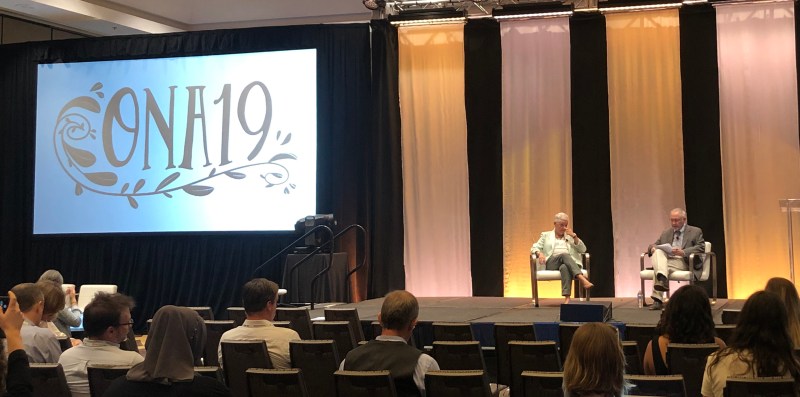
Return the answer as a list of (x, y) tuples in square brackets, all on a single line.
[(88, 291), (555, 275), (706, 270)]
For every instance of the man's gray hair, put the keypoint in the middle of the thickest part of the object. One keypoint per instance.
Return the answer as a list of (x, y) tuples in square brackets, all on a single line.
[(561, 217), (680, 211)]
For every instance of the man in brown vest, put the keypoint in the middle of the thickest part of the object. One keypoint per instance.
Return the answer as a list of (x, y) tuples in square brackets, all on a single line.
[(390, 351)]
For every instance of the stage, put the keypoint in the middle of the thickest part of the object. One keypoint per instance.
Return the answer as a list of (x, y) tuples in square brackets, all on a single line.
[(483, 312)]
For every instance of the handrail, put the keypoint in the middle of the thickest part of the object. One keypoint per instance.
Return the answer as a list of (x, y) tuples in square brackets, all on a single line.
[(292, 245), (350, 273)]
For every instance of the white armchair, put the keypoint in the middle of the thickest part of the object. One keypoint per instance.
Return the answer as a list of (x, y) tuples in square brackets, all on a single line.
[(707, 270), (555, 275)]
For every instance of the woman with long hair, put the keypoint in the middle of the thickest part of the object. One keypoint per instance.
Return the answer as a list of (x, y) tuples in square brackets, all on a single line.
[(595, 365), (760, 346), (788, 294), (686, 319)]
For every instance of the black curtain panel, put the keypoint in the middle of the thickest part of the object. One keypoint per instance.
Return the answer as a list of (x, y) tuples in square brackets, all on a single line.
[(591, 162), (387, 272), (483, 93), (182, 269), (701, 144)]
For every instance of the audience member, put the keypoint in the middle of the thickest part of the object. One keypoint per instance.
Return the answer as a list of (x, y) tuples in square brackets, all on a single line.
[(595, 365), (760, 346), (260, 301), (686, 319), (14, 371), (107, 320), (788, 294), (40, 344), (390, 351), (70, 314), (174, 346)]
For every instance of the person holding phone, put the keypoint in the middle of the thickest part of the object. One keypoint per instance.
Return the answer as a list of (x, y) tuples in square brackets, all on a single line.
[(16, 369)]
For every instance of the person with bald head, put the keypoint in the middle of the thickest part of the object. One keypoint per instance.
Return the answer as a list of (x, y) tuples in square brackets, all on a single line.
[(683, 240), (390, 351)]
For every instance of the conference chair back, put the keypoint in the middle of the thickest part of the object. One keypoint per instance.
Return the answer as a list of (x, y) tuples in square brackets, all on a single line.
[(48, 380), (237, 358), (346, 314), (565, 333), (339, 331), (276, 382), (318, 359), (364, 384), (452, 332), (632, 364), (237, 314), (459, 355), (642, 334), (541, 356), (503, 334), (214, 331), (204, 312), (762, 387), (101, 376), (690, 360), (657, 385), (457, 384), (211, 372), (540, 384), (300, 319)]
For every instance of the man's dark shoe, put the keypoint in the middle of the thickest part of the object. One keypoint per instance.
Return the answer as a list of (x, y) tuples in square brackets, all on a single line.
[(657, 305), (661, 284)]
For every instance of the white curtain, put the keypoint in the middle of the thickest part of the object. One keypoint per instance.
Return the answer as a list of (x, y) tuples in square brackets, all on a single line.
[(434, 146), (646, 138), (537, 146), (759, 138)]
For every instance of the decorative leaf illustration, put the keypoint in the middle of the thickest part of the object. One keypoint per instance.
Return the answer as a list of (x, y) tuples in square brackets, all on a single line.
[(138, 186), (167, 194), (100, 94), (102, 178), (198, 190), (282, 156), (213, 170), (275, 174), (132, 202), (82, 157), (78, 189), (235, 175), (286, 190), (98, 85), (124, 188), (278, 136), (287, 139), (84, 102), (293, 185), (168, 180)]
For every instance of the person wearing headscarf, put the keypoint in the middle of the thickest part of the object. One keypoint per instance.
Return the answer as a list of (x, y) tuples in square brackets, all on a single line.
[(174, 346)]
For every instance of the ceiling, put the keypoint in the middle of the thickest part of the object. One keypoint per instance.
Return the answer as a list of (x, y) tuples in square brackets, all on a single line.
[(123, 17)]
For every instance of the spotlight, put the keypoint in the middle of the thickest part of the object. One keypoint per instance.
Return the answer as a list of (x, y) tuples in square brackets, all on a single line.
[(374, 4)]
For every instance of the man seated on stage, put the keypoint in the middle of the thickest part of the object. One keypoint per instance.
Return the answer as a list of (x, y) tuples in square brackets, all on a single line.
[(40, 343), (106, 322), (671, 252), (560, 249), (260, 301), (391, 351)]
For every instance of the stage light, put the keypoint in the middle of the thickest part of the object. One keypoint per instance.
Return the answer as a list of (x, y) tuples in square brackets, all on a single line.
[(637, 5), (533, 10), (428, 17), (304, 225)]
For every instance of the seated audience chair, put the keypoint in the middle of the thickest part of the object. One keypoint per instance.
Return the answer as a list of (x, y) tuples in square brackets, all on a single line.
[(555, 275), (503, 334), (457, 384), (318, 359), (48, 380), (211, 372), (346, 314), (762, 387), (657, 385), (706, 270), (204, 312), (101, 376), (459, 355), (541, 384), (452, 332), (237, 314), (535, 356), (565, 333), (690, 360), (730, 316), (238, 357), (339, 331), (364, 384), (633, 366), (88, 291), (214, 331), (64, 342), (642, 334), (276, 382), (724, 331), (300, 319)]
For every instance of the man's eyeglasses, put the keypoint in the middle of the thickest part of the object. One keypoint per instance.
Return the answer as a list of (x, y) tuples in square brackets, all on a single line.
[(128, 323)]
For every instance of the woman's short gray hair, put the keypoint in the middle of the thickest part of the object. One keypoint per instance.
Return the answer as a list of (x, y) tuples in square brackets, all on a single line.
[(52, 276), (561, 217)]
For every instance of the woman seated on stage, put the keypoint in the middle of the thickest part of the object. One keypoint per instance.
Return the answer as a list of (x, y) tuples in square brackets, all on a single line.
[(788, 294), (174, 346), (760, 347), (595, 365), (685, 319)]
